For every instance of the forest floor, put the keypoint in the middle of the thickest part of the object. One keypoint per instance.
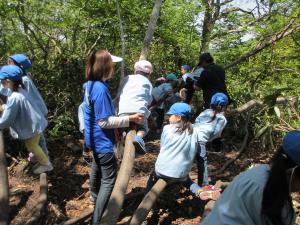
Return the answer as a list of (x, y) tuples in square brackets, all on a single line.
[(69, 181)]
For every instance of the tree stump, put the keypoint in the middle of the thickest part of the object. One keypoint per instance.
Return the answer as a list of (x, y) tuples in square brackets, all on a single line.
[(4, 188)]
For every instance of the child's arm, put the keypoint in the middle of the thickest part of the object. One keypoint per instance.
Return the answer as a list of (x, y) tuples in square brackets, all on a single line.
[(221, 123), (9, 113)]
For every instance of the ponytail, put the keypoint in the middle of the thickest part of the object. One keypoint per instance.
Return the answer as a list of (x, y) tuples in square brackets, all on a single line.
[(185, 125), (276, 193), (216, 109)]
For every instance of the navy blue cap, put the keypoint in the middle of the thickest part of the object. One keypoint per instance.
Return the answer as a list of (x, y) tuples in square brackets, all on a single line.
[(22, 61), (219, 99), (186, 67), (11, 72), (180, 109), (291, 145)]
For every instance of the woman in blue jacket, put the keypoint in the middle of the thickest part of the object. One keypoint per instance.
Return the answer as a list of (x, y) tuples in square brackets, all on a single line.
[(99, 123)]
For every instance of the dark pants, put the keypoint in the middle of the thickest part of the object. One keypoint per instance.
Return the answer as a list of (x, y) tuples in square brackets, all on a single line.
[(201, 159), (102, 180), (160, 117), (187, 182)]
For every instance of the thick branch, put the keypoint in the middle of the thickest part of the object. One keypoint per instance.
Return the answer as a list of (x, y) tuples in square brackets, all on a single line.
[(287, 30), (145, 206)]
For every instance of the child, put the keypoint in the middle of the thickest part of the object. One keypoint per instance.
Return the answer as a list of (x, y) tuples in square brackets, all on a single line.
[(262, 194), (135, 97), (177, 152), (25, 120), (162, 95), (210, 123), (189, 79), (32, 93)]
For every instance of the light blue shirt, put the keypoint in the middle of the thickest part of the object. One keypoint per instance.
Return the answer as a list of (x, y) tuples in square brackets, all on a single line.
[(177, 152), (136, 95), (34, 95), (22, 117), (209, 130), (241, 202)]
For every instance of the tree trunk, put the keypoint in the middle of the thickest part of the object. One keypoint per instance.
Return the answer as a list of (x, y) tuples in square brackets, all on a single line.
[(115, 202), (150, 30), (208, 25), (4, 189), (122, 39), (145, 206), (211, 15)]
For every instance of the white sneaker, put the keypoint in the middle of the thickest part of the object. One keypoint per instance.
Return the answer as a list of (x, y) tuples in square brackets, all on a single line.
[(43, 168)]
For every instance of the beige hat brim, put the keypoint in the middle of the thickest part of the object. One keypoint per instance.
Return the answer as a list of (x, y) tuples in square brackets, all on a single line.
[(116, 58)]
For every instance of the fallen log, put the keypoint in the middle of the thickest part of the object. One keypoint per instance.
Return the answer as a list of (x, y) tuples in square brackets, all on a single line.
[(254, 103), (145, 206), (39, 209), (86, 214), (4, 188), (116, 200)]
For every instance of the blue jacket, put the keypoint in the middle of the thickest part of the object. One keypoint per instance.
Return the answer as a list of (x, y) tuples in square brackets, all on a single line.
[(24, 119), (177, 152), (34, 95)]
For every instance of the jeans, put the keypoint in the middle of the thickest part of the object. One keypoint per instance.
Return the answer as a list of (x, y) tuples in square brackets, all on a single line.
[(187, 182), (202, 165), (102, 180)]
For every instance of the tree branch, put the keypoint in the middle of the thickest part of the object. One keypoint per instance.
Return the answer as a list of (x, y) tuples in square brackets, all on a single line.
[(287, 30)]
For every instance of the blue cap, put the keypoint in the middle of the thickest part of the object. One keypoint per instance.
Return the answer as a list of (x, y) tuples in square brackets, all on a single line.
[(180, 109), (11, 72), (22, 61), (291, 145), (186, 67), (171, 76), (219, 99)]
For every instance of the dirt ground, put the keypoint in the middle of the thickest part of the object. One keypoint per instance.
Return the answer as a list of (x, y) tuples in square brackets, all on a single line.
[(69, 181)]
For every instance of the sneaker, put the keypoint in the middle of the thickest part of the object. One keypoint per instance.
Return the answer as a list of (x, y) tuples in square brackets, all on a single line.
[(139, 145), (43, 168)]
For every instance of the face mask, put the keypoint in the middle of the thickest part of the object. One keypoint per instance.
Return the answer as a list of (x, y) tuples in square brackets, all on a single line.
[(5, 91)]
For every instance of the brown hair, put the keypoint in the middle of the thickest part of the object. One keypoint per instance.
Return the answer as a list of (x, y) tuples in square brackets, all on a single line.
[(99, 65), (185, 125)]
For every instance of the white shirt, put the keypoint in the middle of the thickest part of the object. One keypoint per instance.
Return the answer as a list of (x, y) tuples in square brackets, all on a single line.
[(136, 95)]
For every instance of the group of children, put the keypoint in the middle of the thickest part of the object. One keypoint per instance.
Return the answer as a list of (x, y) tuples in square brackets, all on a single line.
[(181, 141), (24, 111)]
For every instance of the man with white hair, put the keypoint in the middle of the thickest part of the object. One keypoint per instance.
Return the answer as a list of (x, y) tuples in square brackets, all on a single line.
[(135, 97)]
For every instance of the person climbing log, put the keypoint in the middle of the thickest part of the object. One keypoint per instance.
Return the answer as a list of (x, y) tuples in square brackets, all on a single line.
[(99, 123), (177, 152), (211, 81)]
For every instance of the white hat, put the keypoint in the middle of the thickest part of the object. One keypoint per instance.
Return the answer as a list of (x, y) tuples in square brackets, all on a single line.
[(116, 58), (143, 66)]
